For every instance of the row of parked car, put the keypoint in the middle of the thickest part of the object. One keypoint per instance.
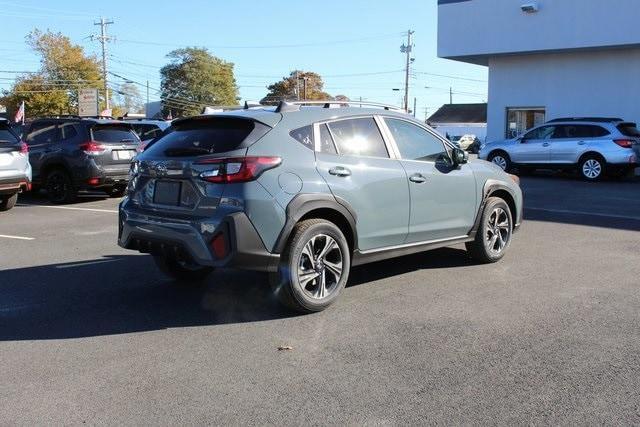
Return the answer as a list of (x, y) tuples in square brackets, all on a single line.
[(65, 155)]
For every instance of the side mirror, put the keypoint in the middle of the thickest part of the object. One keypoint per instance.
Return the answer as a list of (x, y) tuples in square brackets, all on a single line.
[(459, 157)]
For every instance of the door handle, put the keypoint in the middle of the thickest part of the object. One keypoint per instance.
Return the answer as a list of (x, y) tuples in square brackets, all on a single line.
[(546, 144), (417, 178), (340, 171)]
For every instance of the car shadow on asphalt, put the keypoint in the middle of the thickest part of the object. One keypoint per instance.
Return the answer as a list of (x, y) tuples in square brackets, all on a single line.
[(40, 198), (125, 294)]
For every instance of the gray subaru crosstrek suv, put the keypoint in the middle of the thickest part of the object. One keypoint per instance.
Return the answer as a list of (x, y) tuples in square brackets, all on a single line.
[(305, 192)]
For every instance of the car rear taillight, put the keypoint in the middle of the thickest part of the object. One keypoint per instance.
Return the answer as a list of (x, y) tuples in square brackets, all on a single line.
[(24, 148), (237, 169), (624, 143), (92, 148)]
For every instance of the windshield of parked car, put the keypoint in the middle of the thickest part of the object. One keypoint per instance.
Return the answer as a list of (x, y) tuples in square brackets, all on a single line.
[(7, 136)]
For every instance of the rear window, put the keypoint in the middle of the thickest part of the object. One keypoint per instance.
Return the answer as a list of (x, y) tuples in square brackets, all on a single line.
[(207, 136), (7, 136), (628, 129), (113, 133)]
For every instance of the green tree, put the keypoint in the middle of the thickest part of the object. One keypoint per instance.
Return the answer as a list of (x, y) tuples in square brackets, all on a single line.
[(292, 87), (65, 68), (194, 79)]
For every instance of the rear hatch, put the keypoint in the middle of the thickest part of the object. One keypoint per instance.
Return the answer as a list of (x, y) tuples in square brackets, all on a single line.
[(12, 154), (630, 130), (113, 146), (188, 167)]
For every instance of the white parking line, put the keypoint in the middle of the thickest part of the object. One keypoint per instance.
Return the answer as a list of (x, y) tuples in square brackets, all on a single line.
[(6, 236), (70, 208), (82, 264), (566, 211)]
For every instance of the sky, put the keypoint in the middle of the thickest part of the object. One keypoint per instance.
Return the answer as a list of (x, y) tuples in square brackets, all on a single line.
[(353, 44)]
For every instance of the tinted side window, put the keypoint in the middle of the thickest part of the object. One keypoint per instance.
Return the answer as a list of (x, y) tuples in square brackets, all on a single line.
[(42, 133), (544, 132), (67, 131), (304, 135), (358, 137), (414, 142), (145, 131), (326, 141), (579, 131)]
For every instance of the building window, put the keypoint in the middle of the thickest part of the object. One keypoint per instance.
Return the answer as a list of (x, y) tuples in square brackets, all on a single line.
[(521, 119)]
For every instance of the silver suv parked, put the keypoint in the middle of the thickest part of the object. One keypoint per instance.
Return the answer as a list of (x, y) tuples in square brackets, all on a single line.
[(15, 170), (306, 192), (593, 146)]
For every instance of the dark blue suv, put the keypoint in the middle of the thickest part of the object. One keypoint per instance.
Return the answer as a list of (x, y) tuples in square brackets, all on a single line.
[(71, 154)]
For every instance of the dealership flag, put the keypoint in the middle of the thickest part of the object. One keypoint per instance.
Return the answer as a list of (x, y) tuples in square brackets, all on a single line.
[(19, 114)]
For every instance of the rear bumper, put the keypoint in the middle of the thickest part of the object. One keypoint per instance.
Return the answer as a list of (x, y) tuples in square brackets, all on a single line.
[(244, 248), (10, 185)]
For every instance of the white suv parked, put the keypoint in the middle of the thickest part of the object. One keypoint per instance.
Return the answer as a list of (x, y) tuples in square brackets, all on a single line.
[(592, 145)]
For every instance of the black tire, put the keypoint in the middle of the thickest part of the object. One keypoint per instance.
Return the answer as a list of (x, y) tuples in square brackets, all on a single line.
[(8, 201), (319, 292), (181, 271), (501, 159), (483, 248), (117, 192), (592, 167), (59, 187)]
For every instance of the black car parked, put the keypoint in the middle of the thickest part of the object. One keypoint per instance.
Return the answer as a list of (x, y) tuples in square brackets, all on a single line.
[(70, 154)]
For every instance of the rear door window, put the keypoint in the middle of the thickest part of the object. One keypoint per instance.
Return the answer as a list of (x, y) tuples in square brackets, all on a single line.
[(628, 129), (113, 133), (67, 131), (42, 133), (207, 136), (358, 137)]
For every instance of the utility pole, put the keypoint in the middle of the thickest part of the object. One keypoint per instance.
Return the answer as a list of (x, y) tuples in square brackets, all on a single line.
[(297, 85), (414, 106), (147, 106), (104, 38), (304, 87), (406, 49), (450, 95), (426, 114)]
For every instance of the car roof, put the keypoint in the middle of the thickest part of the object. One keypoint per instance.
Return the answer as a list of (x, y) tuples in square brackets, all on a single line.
[(80, 120), (303, 116)]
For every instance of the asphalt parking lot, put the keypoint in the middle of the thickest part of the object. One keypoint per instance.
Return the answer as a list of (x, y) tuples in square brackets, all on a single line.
[(551, 335)]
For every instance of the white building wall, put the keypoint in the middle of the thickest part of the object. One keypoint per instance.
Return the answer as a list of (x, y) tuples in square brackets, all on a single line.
[(496, 27), (587, 83)]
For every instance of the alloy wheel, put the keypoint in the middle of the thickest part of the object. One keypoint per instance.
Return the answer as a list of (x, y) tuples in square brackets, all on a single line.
[(320, 266), (500, 161), (56, 187), (592, 169), (498, 230)]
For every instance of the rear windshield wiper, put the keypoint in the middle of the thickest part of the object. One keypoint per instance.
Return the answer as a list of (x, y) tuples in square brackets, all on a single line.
[(128, 140), (188, 151)]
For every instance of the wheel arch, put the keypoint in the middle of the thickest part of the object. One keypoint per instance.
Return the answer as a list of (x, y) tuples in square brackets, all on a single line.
[(591, 153), (494, 188), (321, 206), (51, 165)]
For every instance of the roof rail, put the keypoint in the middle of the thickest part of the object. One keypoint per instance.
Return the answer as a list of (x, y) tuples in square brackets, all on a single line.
[(330, 102), (586, 119)]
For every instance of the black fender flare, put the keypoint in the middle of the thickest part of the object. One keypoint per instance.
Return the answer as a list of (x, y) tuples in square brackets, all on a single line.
[(491, 186), (302, 204)]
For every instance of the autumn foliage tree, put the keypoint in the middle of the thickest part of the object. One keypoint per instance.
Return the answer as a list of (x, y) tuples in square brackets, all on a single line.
[(292, 87), (64, 68)]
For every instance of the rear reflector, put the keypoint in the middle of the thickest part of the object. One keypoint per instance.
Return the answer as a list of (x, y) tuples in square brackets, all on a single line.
[(219, 246), (237, 169), (93, 181), (92, 148), (624, 143), (24, 148)]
